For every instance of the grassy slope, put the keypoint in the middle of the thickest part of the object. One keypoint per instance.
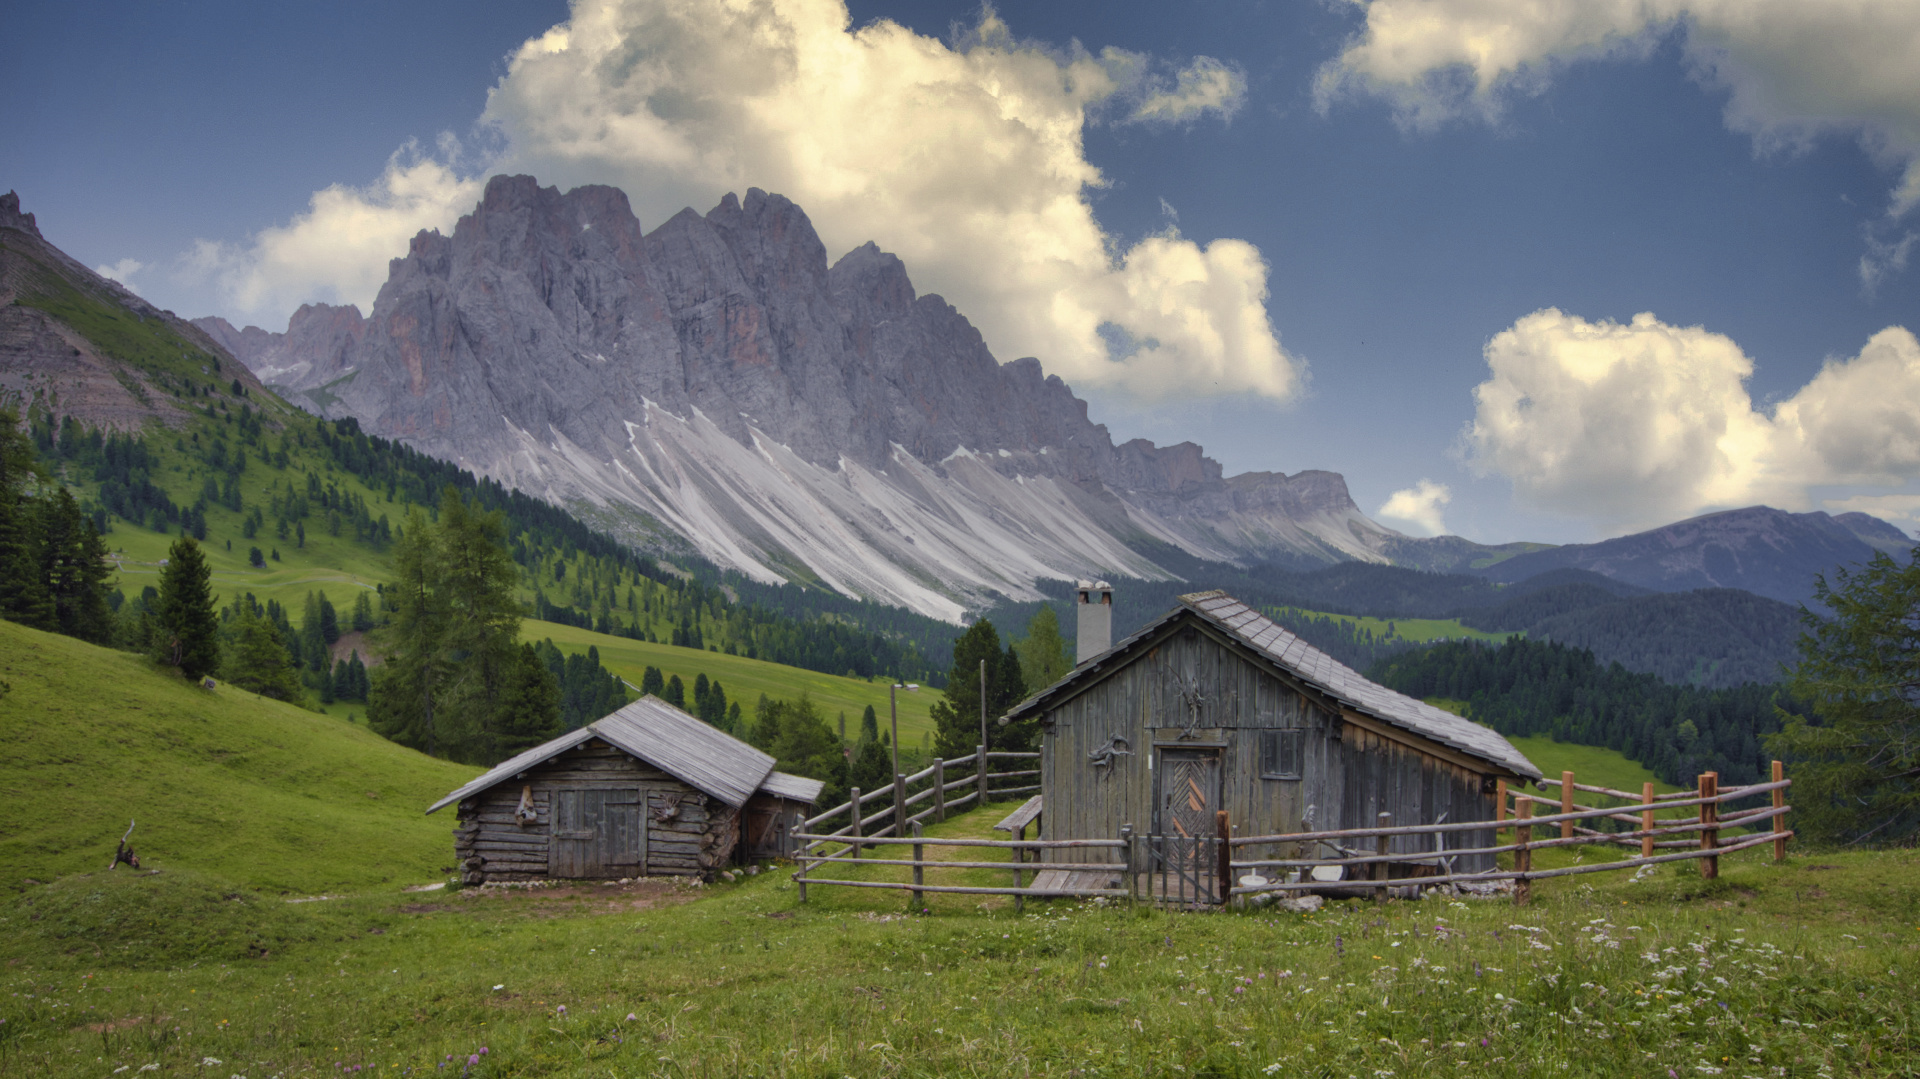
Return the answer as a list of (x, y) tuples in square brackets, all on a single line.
[(1418, 630), (1799, 970), (745, 679), (225, 782)]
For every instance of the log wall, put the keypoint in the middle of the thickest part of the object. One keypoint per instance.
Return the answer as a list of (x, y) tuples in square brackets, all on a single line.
[(687, 832)]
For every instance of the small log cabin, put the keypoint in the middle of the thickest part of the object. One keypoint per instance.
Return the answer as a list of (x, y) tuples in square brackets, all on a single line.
[(647, 790), (1214, 707)]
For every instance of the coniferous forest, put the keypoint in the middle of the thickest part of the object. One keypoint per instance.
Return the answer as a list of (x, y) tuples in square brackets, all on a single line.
[(1523, 687)]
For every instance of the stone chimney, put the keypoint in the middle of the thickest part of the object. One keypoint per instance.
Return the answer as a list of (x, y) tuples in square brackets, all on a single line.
[(1096, 620)]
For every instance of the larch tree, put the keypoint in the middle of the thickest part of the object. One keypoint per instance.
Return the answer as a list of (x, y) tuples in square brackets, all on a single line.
[(188, 631), (956, 716)]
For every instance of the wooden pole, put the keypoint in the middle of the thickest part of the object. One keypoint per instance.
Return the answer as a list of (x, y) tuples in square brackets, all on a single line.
[(1222, 833), (899, 806), (1523, 858), (1126, 859), (1566, 803), (1499, 808), (1709, 835), (919, 852), (939, 789), (856, 821), (1019, 855), (1780, 821), (980, 758), (893, 717), (1381, 872), (1646, 820), (983, 716)]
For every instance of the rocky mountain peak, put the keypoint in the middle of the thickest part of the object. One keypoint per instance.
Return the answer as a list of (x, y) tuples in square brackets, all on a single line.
[(12, 218), (717, 383)]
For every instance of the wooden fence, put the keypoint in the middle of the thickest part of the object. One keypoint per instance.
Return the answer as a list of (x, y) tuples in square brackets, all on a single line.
[(1192, 872)]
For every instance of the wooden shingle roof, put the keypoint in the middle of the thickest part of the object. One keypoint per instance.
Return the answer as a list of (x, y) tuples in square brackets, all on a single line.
[(702, 756), (1317, 669)]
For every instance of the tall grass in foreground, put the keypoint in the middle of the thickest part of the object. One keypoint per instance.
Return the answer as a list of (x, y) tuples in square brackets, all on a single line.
[(1800, 970)]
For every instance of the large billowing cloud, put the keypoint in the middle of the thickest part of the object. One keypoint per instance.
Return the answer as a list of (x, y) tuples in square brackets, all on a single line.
[(964, 158), (1421, 505), (1793, 68), (1633, 424)]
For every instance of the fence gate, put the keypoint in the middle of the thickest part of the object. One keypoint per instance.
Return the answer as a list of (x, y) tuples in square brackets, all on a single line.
[(1183, 849)]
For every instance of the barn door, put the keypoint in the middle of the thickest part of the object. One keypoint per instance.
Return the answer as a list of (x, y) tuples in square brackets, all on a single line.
[(1185, 842), (597, 833)]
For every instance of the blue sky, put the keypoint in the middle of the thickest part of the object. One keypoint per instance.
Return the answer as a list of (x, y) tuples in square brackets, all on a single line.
[(1453, 251)]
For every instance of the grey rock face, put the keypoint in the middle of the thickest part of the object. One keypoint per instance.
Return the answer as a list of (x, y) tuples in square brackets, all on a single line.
[(716, 383)]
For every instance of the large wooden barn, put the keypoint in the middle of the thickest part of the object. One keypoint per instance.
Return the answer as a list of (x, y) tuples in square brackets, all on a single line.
[(647, 790), (1214, 707)]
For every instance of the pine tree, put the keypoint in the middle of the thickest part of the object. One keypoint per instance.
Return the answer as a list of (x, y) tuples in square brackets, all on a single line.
[(256, 661), (1044, 658), (676, 693), (652, 682), (1857, 759), (529, 707), (401, 700), (329, 620), (23, 596), (362, 613), (73, 567), (956, 715), (869, 725), (187, 629)]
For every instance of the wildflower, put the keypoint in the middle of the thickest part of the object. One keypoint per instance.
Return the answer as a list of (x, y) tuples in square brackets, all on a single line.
[(630, 1017)]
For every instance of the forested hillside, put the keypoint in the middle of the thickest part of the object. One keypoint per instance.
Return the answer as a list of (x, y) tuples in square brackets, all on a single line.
[(1523, 687)]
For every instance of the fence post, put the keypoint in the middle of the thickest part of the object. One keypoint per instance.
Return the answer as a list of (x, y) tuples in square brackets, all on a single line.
[(1646, 820), (1499, 808), (1222, 833), (1380, 870), (800, 878), (1126, 860), (1566, 804), (856, 820), (1523, 858), (1019, 857), (899, 806), (939, 790), (1709, 814), (1779, 819), (980, 756), (919, 852)]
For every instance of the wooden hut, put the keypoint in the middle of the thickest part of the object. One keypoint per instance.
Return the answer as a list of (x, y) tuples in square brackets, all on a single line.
[(1214, 707), (647, 790)]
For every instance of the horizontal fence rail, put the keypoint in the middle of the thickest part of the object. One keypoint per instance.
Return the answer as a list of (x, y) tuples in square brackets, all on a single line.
[(1195, 872)]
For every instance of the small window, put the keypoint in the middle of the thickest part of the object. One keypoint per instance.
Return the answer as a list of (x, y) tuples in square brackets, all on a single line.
[(1281, 752)]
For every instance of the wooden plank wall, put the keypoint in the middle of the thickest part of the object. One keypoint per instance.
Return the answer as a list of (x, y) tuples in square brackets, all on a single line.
[(688, 833), (1348, 774)]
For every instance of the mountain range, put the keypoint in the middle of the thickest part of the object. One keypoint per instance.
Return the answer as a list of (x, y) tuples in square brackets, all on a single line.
[(717, 388), (717, 385)]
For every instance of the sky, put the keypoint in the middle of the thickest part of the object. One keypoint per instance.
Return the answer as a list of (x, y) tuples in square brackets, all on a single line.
[(1519, 269)]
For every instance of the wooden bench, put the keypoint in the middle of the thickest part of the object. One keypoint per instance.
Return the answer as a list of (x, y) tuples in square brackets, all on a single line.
[(1016, 825)]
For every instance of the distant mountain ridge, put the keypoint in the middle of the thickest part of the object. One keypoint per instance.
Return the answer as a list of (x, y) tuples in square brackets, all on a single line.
[(1759, 549), (716, 385)]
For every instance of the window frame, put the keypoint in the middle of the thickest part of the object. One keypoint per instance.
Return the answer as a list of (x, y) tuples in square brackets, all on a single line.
[(1276, 745)]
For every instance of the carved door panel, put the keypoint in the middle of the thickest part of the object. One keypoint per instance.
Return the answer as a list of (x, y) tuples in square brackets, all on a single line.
[(1185, 845)]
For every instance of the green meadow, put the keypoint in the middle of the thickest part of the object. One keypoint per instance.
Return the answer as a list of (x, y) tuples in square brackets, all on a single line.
[(270, 932)]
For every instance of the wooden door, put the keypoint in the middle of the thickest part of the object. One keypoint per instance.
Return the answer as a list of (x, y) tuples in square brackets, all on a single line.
[(1189, 794), (1184, 846), (597, 833)]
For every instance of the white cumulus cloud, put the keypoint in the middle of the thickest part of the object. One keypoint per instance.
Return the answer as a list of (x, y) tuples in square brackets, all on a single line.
[(964, 158), (121, 271), (1636, 423), (1420, 505), (337, 251), (1793, 69)]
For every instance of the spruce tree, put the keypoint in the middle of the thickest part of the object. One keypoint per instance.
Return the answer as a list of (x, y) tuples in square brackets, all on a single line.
[(869, 725), (956, 715), (652, 682), (256, 661), (23, 594), (73, 567), (188, 633)]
